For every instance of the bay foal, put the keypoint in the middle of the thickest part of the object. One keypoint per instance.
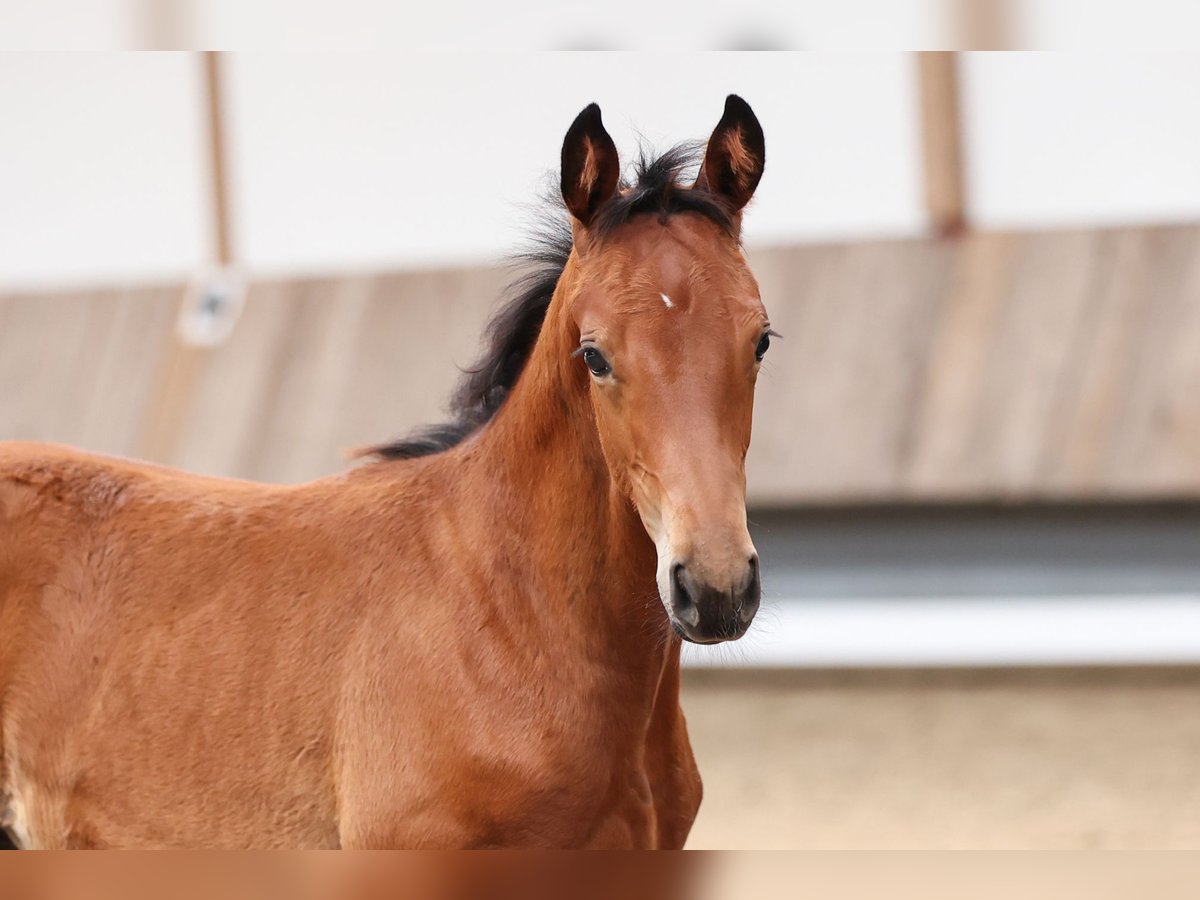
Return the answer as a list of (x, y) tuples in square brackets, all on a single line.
[(471, 641)]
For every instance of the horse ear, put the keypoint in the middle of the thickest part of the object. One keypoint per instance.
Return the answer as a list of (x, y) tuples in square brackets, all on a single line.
[(736, 154), (590, 167)]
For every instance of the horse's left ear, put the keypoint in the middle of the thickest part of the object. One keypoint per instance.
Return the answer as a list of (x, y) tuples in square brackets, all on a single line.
[(736, 154)]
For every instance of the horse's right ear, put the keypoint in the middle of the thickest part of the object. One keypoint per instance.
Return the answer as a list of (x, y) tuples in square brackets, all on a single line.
[(590, 167)]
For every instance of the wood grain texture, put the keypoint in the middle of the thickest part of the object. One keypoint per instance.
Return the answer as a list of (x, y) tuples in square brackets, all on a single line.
[(1041, 366), (82, 368)]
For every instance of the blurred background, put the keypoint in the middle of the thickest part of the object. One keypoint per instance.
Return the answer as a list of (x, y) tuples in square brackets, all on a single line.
[(975, 476)]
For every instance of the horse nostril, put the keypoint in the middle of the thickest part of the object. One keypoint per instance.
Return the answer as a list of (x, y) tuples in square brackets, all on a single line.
[(682, 600), (751, 594), (681, 592)]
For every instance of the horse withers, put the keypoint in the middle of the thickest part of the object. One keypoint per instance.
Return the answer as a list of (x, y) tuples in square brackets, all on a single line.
[(470, 640)]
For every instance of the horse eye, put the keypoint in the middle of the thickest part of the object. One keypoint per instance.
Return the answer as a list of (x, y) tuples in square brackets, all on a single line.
[(764, 344), (596, 362)]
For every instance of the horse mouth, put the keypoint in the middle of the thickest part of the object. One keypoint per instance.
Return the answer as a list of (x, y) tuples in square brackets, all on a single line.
[(702, 642)]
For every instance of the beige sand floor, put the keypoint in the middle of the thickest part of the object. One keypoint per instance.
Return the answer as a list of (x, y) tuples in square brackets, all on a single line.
[(1019, 759)]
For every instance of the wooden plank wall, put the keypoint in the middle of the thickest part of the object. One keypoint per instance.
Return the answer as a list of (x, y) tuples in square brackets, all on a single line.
[(1052, 366), (82, 367)]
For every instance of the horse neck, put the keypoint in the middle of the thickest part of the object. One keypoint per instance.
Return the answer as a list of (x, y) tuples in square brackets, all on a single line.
[(587, 563)]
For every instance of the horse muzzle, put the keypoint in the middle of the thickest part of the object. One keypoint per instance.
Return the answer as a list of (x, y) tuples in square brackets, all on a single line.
[(706, 613)]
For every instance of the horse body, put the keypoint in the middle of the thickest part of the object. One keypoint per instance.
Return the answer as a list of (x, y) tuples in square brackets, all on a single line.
[(196, 661), (465, 649)]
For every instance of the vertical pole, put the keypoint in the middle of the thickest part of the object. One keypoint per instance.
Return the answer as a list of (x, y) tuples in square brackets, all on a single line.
[(945, 192), (986, 24), (163, 24), (210, 304), (216, 135)]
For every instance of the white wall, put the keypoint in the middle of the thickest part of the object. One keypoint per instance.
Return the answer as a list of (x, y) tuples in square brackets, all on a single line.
[(73, 24), (393, 28), (360, 161), (342, 161), (1076, 139), (379, 160), (102, 168), (1106, 24)]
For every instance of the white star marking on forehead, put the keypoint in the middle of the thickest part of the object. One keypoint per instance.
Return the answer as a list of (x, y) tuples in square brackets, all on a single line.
[(667, 301)]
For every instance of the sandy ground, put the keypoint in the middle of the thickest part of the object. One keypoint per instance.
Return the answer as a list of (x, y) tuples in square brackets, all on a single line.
[(944, 760)]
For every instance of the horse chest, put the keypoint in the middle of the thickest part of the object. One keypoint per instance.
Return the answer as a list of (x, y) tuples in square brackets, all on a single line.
[(581, 772), (611, 807), (582, 781), (558, 775)]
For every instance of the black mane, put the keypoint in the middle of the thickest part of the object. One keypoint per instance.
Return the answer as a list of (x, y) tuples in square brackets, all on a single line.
[(659, 186)]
